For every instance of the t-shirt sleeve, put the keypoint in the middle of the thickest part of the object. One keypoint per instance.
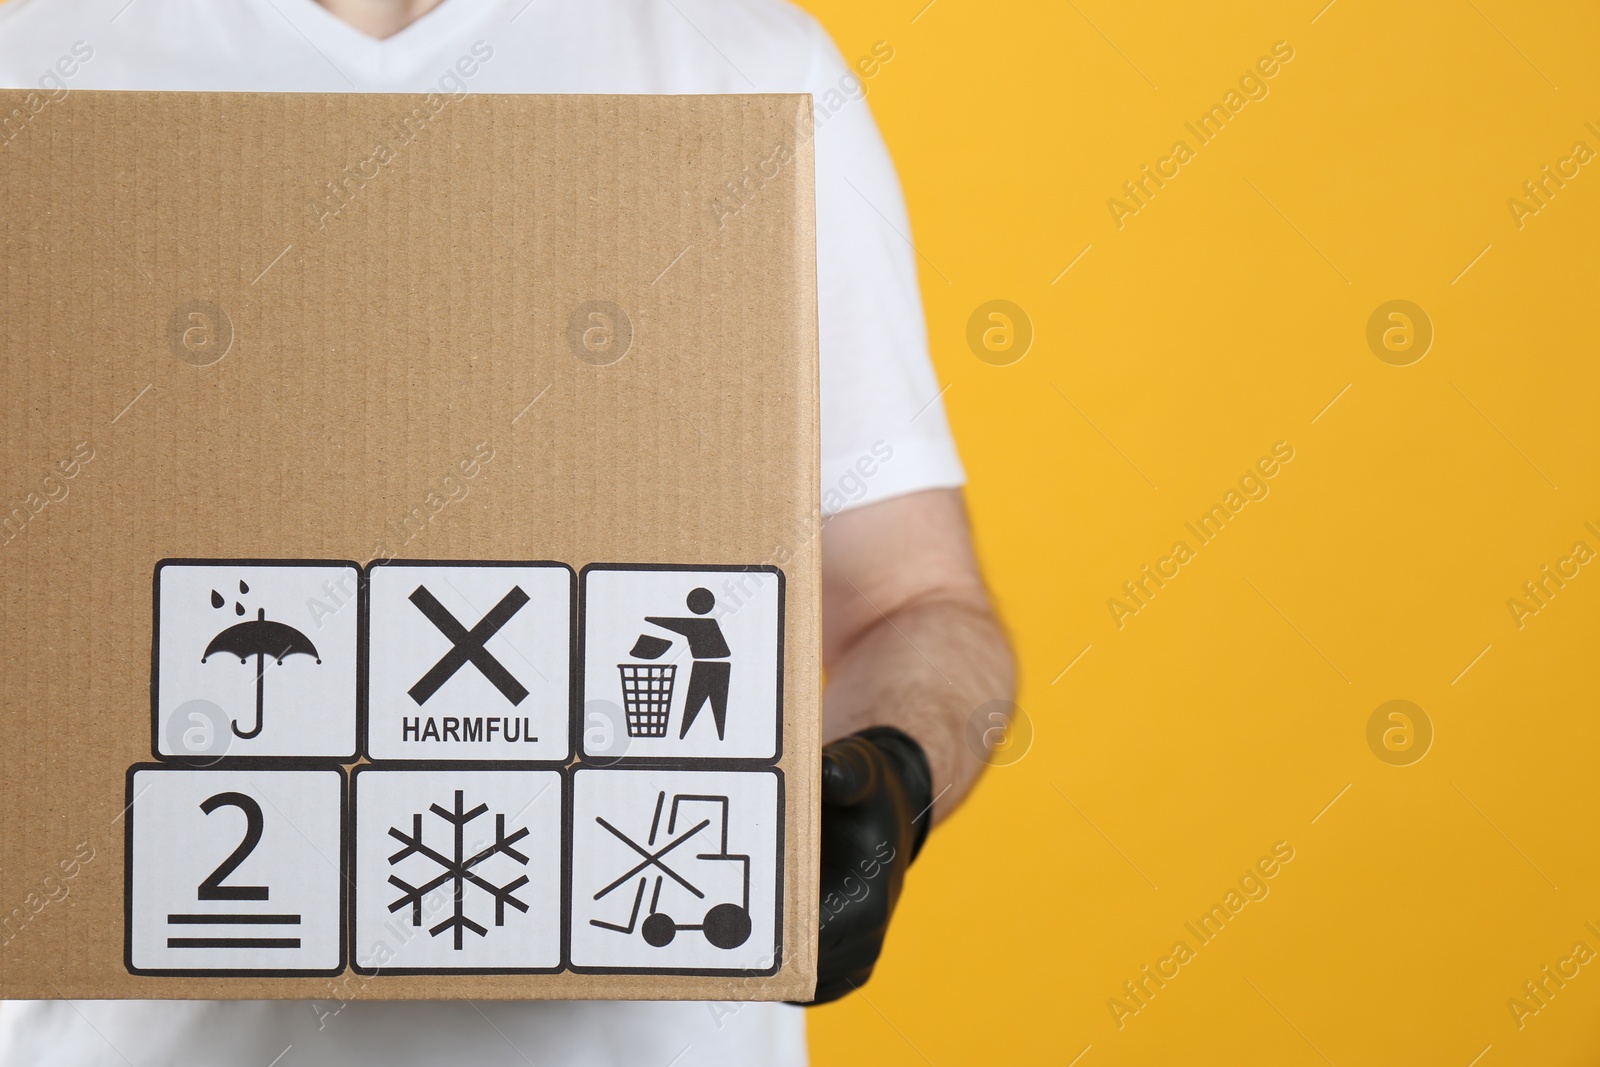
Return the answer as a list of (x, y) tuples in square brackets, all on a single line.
[(884, 431)]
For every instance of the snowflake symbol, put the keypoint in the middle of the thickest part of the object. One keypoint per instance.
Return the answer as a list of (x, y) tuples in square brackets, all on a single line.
[(458, 869)]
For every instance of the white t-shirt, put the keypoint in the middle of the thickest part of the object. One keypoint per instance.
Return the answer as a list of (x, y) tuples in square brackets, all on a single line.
[(883, 426)]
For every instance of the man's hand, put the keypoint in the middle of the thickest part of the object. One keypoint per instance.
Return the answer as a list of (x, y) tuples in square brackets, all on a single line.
[(909, 641), (877, 800)]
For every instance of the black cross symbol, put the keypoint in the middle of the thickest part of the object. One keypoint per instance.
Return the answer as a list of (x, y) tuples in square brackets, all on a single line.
[(653, 859), (468, 645)]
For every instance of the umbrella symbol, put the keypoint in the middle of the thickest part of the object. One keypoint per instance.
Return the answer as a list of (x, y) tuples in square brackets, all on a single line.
[(260, 637)]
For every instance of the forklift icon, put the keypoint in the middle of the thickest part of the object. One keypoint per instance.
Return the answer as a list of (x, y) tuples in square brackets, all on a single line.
[(725, 925)]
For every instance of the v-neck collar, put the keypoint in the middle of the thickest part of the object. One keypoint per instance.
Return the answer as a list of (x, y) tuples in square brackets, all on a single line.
[(369, 59)]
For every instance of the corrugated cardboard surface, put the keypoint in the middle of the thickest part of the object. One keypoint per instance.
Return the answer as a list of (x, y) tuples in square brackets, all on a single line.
[(379, 337)]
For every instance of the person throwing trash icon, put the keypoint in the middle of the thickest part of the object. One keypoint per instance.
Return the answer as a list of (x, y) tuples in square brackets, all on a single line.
[(708, 678)]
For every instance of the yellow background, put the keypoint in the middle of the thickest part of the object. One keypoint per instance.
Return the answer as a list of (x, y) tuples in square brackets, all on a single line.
[(1226, 715)]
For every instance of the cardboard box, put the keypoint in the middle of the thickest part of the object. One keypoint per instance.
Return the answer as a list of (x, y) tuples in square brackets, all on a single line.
[(410, 555)]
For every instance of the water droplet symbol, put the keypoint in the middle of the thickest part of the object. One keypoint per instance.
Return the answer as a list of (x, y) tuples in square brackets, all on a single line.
[(216, 599)]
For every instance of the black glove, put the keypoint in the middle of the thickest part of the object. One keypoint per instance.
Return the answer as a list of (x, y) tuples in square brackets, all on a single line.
[(877, 800)]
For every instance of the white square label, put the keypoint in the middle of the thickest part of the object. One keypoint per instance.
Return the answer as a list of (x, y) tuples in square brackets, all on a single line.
[(235, 872), (682, 662), (256, 658), (469, 661), (676, 871), (457, 871)]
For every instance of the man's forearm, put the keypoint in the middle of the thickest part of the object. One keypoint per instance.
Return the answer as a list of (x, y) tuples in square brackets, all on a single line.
[(924, 667), (909, 641)]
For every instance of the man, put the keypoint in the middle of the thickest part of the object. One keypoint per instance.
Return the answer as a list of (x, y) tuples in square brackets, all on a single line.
[(910, 645), (708, 678)]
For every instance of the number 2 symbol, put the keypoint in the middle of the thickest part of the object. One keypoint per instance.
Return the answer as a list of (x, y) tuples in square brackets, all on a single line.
[(212, 888)]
